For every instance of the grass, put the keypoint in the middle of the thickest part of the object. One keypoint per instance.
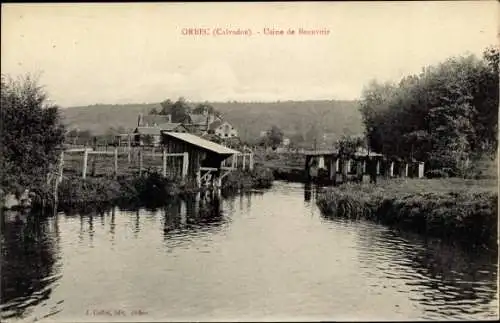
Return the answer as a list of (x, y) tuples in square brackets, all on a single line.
[(153, 187), (259, 177), (449, 208)]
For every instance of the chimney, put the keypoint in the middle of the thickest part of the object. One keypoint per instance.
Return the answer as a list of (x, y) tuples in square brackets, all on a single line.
[(139, 120)]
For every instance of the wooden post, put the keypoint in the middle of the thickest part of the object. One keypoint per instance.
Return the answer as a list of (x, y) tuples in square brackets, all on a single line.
[(198, 178), (116, 163), (307, 168), (337, 165), (378, 167), (61, 166), (234, 160), (364, 166), (140, 161), (333, 171), (344, 170), (244, 160), (164, 172), (85, 159), (421, 170), (348, 164), (129, 149), (406, 170), (391, 169), (185, 164), (59, 177), (250, 161)]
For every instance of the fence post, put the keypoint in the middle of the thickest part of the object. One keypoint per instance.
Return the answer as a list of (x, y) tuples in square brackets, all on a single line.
[(420, 170), (129, 149), (61, 166), (244, 161), (85, 159), (116, 163), (140, 161), (333, 170), (164, 172), (233, 160), (59, 177), (185, 164), (251, 161)]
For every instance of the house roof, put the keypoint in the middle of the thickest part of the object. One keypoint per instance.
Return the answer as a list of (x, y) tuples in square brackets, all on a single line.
[(202, 143), (214, 125), (155, 118), (198, 118), (359, 153), (170, 126), (148, 130)]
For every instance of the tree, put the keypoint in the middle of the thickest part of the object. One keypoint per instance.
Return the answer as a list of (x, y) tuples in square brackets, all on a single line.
[(154, 111), (31, 136), (179, 110), (274, 136), (166, 107), (202, 107), (348, 145), (445, 115)]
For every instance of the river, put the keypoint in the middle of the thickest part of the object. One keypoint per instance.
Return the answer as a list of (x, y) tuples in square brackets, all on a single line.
[(258, 256)]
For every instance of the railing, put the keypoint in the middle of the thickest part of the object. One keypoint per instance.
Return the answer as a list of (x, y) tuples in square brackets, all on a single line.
[(113, 161)]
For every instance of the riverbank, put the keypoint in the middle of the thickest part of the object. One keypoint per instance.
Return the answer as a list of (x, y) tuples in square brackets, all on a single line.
[(151, 189), (447, 208)]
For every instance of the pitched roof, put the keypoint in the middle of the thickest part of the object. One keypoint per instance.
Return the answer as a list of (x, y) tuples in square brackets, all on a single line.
[(170, 126), (214, 125), (155, 119), (198, 118), (148, 131), (202, 143)]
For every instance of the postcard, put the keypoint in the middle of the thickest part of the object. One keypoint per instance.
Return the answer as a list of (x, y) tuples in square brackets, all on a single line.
[(262, 161)]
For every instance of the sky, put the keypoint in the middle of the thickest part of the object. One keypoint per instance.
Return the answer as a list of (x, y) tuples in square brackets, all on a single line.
[(137, 52)]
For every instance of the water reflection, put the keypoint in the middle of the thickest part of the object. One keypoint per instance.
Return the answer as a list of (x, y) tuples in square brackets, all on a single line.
[(209, 256), (445, 279), (311, 191), (29, 262)]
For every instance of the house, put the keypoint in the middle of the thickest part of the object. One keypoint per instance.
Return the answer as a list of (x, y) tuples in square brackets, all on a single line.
[(153, 120), (222, 129), (149, 128), (209, 124)]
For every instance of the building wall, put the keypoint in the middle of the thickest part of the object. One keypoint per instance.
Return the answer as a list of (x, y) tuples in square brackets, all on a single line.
[(226, 130)]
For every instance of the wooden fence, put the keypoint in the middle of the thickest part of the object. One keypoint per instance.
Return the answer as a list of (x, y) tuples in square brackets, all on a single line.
[(136, 161), (117, 161)]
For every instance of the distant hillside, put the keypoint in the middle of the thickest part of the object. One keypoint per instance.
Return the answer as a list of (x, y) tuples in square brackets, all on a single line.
[(302, 118)]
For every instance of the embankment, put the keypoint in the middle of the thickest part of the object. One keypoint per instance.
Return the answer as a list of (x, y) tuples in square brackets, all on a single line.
[(259, 177), (466, 210), (151, 189)]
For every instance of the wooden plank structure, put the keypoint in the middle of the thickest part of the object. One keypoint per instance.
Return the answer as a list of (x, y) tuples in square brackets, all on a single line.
[(328, 165), (204, 164)]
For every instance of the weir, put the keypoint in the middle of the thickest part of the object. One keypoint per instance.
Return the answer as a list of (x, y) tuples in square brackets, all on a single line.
[(332, 167)]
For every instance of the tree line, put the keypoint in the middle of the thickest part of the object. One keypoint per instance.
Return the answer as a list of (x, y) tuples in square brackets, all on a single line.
[(447, 115), (181, 108)]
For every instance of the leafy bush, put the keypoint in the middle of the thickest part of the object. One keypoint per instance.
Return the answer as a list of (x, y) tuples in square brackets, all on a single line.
[(259, 177), (437, 173), (151, 188)]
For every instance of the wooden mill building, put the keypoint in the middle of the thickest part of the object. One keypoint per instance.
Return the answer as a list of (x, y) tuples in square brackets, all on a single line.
[(204, 162)]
